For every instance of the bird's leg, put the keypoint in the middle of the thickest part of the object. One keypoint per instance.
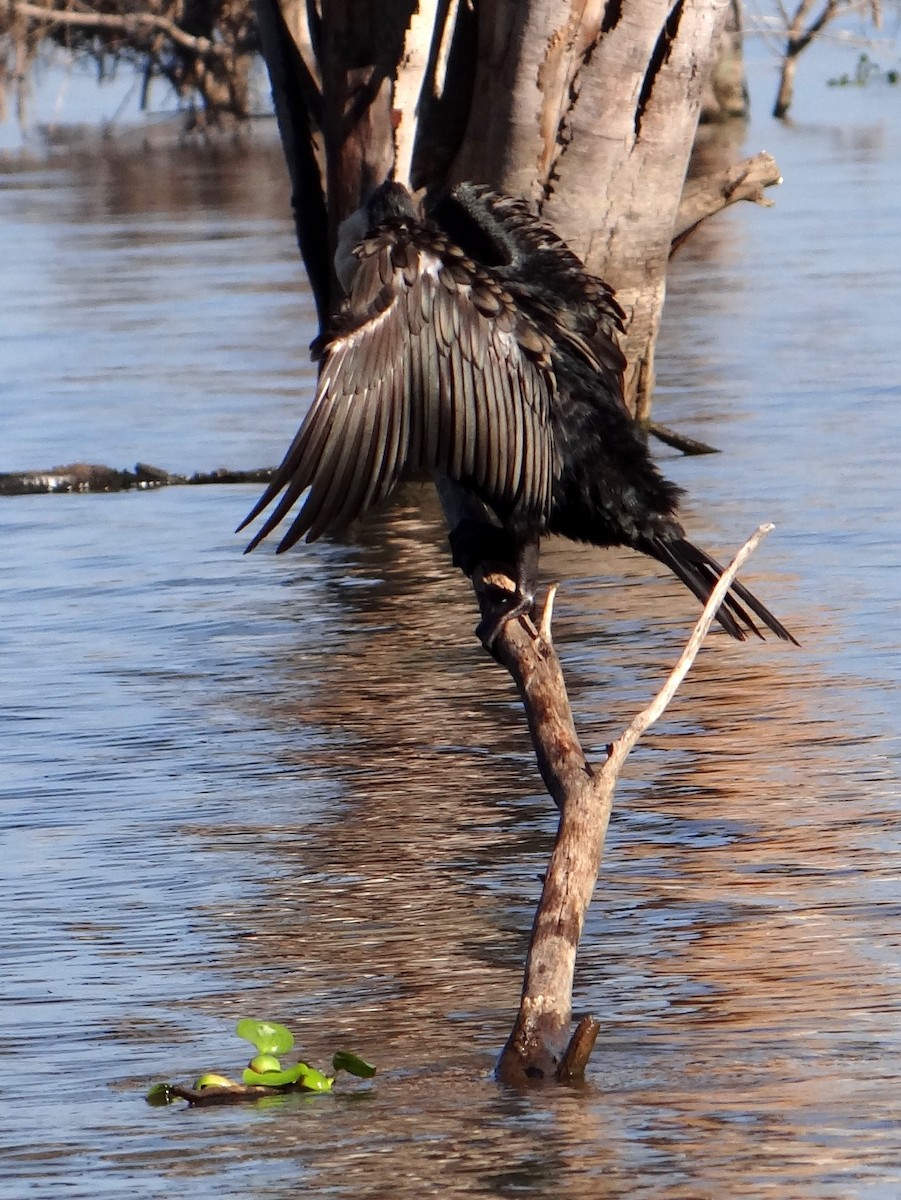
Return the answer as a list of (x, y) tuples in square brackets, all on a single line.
[(520, 602), (475, 543)]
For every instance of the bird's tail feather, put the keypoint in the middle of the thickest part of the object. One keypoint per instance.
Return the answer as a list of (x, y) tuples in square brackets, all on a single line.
[(699, 572)]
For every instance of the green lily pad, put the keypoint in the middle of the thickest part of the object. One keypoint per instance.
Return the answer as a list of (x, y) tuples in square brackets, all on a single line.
[(268, 1036), (343, 1060)]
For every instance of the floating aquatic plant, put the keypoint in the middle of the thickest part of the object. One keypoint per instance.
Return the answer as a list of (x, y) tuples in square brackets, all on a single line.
[(865, 72), (264, 1074)]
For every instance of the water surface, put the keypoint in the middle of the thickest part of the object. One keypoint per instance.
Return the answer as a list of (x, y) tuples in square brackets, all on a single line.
[(294, 787)]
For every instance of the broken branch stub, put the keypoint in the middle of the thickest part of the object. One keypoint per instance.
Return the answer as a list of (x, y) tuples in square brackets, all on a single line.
[(709, 194)]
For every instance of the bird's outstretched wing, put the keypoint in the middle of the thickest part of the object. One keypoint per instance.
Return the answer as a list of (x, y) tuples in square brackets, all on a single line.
[(429, 367)]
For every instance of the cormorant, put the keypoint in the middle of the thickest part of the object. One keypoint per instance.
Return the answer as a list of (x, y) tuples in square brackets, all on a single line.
[(474, 346)]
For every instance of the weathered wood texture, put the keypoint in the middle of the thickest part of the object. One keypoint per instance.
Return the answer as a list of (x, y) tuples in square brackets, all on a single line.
[(540, 1046), (591, 110), (725, 96), (703, 197)]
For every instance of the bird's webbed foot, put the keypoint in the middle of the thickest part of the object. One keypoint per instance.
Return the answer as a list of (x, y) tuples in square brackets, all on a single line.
[(510, 606), (475, 544), (521, 601)]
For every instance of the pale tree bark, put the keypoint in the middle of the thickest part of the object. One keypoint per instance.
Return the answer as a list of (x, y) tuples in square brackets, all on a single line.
[(587, 108), (540, 1046), (591, 109), (703, 197), (725, 96)]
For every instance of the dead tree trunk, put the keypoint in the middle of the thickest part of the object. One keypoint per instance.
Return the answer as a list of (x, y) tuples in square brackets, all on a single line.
[(804, 26), (540, 1047), (590, 110), (725, 96)]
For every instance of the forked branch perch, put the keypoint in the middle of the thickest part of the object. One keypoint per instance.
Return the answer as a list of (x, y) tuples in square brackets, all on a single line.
[(540, 1046)]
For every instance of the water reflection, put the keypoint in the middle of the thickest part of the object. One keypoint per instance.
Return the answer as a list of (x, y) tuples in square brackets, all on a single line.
[(294, 786)]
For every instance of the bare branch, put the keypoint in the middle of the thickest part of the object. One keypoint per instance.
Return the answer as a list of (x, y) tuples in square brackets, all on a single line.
[(799, 38), (679, 441), (702, 198), (536, 671), (646, 718), (539, 1045), (547, 614), (91, 20)]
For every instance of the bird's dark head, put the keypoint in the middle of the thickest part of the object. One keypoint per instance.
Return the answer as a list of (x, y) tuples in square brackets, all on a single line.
[(389, 201)]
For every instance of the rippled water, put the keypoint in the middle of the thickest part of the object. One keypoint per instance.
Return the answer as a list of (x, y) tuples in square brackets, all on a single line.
[(247, 786)]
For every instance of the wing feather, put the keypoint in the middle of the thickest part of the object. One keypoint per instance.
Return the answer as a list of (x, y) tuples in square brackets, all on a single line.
[(319, 475), (460, 384), (429, 367), (499, 439), (397, 447), (518, 461)]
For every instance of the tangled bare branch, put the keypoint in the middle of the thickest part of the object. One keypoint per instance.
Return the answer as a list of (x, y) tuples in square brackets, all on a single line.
[(201, 48)]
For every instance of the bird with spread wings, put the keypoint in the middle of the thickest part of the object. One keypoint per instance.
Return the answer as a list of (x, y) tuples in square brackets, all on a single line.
[(474, 347)]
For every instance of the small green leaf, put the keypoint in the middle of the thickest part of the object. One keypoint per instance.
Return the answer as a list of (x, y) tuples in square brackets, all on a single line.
[(268, 1036), (343, 1060), (315, 1081), (160, 1095), (275, 1078), (211, 1080), (265, 1062)]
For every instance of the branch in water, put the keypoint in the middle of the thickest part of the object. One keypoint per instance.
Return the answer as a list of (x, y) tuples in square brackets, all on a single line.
[(703, 197), (540, 1046), (679, 441)]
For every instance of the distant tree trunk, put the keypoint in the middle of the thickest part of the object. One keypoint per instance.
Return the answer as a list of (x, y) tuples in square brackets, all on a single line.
[(786, 93), (204, 50), (802, 27), (726, 96)]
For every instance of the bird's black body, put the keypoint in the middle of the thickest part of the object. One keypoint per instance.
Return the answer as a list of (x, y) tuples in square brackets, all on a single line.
[(473, 345)]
